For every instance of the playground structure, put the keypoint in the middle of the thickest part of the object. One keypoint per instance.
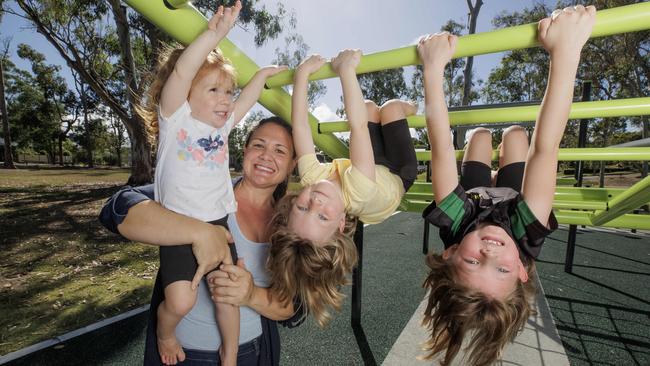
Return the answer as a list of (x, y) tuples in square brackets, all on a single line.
[(607, 207)]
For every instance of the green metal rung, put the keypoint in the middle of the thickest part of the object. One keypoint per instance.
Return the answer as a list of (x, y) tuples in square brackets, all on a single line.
[(627, 221), (579, 110), (589, 154), (633, 197), (629, 18)]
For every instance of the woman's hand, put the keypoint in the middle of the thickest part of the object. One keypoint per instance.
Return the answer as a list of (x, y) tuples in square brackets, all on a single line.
[(224, 19), (231, 284), (210, 248)]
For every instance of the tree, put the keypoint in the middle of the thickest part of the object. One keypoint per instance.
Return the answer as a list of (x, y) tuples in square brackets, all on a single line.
[(108, 55), (467, 71), (6, 132), (295, 50), (54, 90), (237, 139)]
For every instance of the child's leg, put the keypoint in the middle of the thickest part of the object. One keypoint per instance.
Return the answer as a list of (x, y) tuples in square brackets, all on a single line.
[(228, 320), (399, 152), (179, 300), (512, 157), (475, 170), (374, 129)]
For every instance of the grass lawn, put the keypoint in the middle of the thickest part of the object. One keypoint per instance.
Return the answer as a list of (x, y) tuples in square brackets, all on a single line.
[(60, 269)]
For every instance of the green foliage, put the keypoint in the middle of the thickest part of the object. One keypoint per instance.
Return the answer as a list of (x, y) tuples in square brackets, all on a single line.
[(295, 50), (237, 139)]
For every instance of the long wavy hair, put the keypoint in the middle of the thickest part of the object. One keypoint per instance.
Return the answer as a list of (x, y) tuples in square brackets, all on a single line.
[(455, 311), (147, 107), (311, 273)]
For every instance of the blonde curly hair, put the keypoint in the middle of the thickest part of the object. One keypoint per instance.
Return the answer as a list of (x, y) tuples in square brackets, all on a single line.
[(147, 107)]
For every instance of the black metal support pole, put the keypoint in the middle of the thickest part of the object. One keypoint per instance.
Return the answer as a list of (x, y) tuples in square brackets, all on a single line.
[(582, 141), (355, 318), (425, 238), (356, 277)]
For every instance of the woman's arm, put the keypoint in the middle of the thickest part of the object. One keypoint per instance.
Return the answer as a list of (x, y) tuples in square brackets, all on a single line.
[(562, 35), (132, 213), (435, 52), (234, 285)]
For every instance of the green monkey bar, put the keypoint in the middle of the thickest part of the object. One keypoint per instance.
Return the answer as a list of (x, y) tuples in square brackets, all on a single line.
[(606, 207), (474, 115), (630, 18)]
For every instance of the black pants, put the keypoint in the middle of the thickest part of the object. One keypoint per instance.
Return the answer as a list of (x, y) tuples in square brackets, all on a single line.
[(392, 147), (476, 174)]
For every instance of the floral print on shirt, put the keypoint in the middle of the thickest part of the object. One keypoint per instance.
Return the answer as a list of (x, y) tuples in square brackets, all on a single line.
[(209, 152)]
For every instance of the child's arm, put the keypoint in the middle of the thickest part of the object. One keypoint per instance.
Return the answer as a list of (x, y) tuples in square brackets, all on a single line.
[(302, 138), (253, 89), (361, 155), (435, 52), (562, 35), (177, 86)]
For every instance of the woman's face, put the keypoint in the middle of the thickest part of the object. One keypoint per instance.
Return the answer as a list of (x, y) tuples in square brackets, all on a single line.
[(268, 157)]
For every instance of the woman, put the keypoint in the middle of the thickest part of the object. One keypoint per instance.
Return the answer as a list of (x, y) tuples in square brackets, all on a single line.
[(131, 212)]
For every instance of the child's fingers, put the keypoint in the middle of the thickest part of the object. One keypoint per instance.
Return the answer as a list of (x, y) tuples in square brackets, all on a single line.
[(543, 26)]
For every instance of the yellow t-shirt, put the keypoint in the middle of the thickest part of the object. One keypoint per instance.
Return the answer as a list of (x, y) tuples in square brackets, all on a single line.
[(372, 202)]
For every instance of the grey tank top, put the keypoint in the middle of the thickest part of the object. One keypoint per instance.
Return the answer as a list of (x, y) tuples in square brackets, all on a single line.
[(198, 329)]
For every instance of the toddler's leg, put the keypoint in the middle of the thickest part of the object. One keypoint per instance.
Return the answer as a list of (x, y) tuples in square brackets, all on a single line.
[(397, 141), (228, 320), (179, 300), (512, 157), (475, 170)]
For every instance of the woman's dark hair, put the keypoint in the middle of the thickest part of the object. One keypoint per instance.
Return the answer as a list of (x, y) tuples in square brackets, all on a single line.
[(281, 189)]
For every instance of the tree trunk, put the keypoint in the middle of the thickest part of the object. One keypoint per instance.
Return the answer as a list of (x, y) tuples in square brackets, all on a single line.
[(141, 161), (61, 149), (467, 72), (131, 121), (9, 159)]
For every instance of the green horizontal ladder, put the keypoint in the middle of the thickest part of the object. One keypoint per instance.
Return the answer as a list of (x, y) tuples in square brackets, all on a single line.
[(486, 115), (630, 18)]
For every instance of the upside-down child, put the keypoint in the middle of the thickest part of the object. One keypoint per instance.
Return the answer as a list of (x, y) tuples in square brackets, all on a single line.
[(480, 286), (312, 251), (191, 111)]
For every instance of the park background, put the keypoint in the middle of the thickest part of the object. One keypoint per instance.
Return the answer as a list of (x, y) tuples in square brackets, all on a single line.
[(72, 128)]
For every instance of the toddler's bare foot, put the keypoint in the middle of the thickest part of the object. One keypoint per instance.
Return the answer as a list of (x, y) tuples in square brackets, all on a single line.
[(170, 351)]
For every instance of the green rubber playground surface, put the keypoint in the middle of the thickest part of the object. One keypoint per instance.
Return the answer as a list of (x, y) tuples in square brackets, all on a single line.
[(602, 310)]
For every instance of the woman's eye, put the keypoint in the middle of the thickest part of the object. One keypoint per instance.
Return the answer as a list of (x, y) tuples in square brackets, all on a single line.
[(301, 208), (280, 151), (322, 218), (503, 270), (258, 145), (471, 261)]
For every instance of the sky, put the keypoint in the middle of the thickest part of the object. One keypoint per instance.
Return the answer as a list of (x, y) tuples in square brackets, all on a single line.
[(326, 27)]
